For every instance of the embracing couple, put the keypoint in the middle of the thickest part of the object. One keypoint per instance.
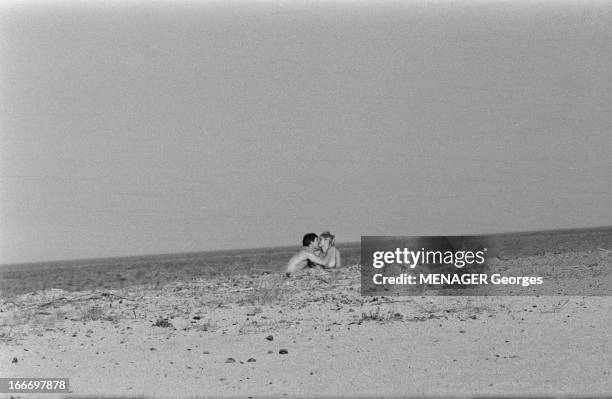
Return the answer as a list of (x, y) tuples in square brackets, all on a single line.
[(317, 251)]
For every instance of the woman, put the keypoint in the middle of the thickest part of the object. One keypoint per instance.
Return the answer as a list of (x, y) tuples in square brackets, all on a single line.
[(327, 242)]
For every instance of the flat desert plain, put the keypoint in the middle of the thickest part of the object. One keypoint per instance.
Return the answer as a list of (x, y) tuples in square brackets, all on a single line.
[(266, 335)]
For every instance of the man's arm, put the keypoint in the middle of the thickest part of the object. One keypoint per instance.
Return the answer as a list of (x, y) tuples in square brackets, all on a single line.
[(328, 261)]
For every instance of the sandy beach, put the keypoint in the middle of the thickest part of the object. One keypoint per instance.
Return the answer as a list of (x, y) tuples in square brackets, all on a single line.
[(311, 335), (164, 161)]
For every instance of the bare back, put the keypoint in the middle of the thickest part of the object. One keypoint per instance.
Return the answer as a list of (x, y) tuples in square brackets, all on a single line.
[(298, 261)]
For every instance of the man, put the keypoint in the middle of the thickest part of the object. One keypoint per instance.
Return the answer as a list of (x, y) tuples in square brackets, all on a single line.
[(310, 244)]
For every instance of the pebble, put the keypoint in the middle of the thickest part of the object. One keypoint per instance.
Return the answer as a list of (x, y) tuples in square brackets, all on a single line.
[(180, 323), (230, 360), (270, 338), (251, 360), (14, 360), (283, 351)]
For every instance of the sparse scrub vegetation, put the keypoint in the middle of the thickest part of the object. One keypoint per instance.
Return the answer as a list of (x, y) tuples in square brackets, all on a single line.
[(377, 315), (92, 312)]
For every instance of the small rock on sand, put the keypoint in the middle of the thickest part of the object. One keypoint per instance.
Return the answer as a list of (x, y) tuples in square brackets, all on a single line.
[(14, 360), (269, 338), (230, 360), (251, 360), (283, 351), (180, 323)]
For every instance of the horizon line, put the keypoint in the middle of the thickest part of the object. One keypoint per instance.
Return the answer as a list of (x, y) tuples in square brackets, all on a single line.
[(155, 255)]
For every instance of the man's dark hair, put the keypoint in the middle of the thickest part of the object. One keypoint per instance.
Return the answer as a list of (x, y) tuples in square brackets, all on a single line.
[(308, 238)]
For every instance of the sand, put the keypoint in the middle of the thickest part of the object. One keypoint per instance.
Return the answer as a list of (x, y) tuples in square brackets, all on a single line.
[(338, 343)]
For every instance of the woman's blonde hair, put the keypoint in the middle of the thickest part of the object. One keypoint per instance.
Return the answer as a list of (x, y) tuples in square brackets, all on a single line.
[(327, 234)]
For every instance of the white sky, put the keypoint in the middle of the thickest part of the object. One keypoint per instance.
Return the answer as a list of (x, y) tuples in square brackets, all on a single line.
[(169, 127)]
